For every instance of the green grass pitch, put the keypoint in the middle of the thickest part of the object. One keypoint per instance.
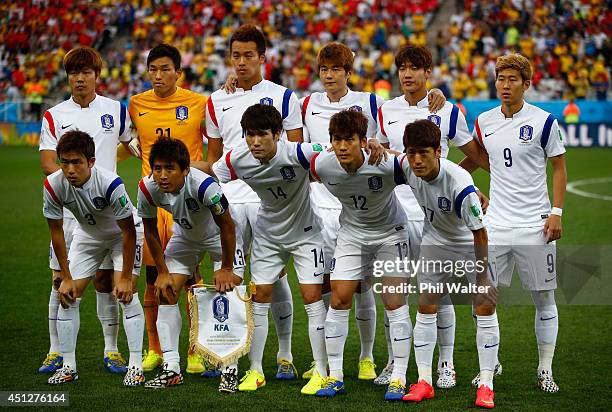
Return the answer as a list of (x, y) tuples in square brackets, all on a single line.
[(582, 362)]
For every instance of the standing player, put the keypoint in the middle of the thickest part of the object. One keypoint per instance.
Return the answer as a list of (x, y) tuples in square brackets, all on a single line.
[(185, 193), (99, 203), (372, 229), (414, 64), (286, 227), (108, 123), (335, 65), (165, 111), (519, 139), (453, 232), (223, 114)]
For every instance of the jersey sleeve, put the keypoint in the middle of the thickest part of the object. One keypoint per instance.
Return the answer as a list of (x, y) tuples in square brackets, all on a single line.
[(48, 133), (552, 138), (458, 130), (119, 200), (291, 112), (211, 196), (406, 170), (306, 152), (125, 123), (380, 130), (147, 208), (477, 134), (303, 107), (212, 125), (52, 205), (223, 169), (314, 172), (467, 206), (375, 103)]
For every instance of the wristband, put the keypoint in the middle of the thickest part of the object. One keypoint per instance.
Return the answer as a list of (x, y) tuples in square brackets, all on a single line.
[(557, 211)]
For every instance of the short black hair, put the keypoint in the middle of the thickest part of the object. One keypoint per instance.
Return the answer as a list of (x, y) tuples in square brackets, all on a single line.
[(169, 150), (348, 123), (261, 117), (165, 50), (422, 134), (418, 55), (76, 141), (82, 58), (248, 32)]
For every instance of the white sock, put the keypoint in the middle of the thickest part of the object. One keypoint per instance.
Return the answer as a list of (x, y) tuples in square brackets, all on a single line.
[(487, 343), (388, 337), (336, 331), (169, 331), (260, 334), (108, 313), (54, 304), (326, 299), (475, 318), (133, 323), (365, 316), (316, 332), (282, 312), (446, 330), (68, 323), (424, 344), (400, 331), (546, 328)]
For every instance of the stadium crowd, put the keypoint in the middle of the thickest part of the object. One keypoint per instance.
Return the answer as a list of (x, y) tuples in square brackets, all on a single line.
[(567, 40)]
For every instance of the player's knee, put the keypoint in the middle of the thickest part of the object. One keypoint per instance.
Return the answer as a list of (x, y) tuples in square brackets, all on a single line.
[(263, 294), (484, 310), (428, 309), (311, 295), (151, 272), (341, 302), (394, 306)]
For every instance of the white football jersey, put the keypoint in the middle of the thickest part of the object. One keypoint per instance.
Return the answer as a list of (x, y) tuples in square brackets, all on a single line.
[(370, 209), (317, 111), (518, 148), (224, 112), (394, 115), (97, 205), (192, 208), (450, 204), (285, 214)]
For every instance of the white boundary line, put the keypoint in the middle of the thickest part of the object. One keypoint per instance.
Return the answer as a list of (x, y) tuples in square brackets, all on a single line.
[(572, 188)]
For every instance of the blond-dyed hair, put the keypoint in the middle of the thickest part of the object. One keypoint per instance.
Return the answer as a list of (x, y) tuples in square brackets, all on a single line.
[(514, 61)]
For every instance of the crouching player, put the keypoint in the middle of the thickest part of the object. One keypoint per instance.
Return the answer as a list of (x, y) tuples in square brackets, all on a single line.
[(453, 232), (100, 204), (186, 193), (372, 230), (286, 226)]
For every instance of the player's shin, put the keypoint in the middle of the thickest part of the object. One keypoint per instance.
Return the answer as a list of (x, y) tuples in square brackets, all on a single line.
[(365, 316), (546, 328), (260, 334), (316, 332), (68, 323), (446, 330), (487, 342), (169, 330), (54, 304), (336, 331), (133, 323), (150, 310), (108, 314), (424, 344), (400, 330), (282, 312)]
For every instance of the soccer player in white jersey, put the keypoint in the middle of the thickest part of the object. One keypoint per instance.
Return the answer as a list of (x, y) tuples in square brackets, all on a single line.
[(223, 113), (453, 232), (520, 138), (187, 193), (99, 203), (335, 65), (108, 122), (414, 65), (372, 230), (286, 226)]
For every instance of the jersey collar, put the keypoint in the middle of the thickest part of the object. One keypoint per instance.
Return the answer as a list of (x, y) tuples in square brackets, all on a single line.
[(256, 87), (342, 99), (519, 114), (92, 104), (421, 104)]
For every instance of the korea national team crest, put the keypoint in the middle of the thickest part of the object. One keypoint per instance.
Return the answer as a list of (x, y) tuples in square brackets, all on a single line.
[(267, 101), (182, 113), (287, 173), (220, 308), (444, 204), (526, 133), (99, 202), (375, 183), (107, 121), (356, 108), (434, 118)]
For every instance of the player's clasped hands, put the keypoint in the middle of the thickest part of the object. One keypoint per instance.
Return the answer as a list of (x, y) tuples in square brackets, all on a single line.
[(123, 290), (165, 287)]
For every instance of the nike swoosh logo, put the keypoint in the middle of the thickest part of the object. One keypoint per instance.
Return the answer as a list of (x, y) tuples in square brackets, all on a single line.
[(395, 121), (285, 317), (363, 320), (491, 346), (142, 114), (133, 316), (65, 127), (259, 383), (399, 340), (445, 327), (541, 318), (315, 113), (488, 134), (318, 274), (332, 337), (164, 204), (320, 328), (550, 280), (308, 229), (246, 177), (67, 203), (332, 184), (226, 108)]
